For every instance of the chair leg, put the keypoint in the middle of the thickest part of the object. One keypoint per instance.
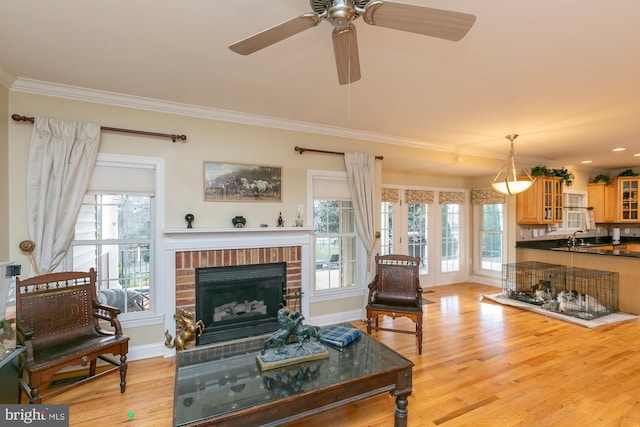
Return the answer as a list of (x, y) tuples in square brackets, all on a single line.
[(123, 372), (419, 334), (370, 320), (34, 395)]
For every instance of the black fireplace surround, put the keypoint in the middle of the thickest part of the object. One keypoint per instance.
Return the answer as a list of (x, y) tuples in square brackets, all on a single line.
[(239, 301)]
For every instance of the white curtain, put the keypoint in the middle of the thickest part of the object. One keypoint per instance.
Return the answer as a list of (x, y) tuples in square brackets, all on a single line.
[(61, 160), (361, 179)]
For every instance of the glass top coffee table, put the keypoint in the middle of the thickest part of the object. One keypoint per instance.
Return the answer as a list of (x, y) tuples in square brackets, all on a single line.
[(223, 384)]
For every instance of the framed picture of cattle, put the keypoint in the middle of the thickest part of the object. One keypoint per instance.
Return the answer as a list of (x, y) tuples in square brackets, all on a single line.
[(234, 182)]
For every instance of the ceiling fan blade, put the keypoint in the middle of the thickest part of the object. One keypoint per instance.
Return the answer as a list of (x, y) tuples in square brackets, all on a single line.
[(443, 24), (345, 48), (275, 34)]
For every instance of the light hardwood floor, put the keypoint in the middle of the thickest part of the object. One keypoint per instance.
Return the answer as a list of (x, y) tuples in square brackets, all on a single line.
[(483, 364)]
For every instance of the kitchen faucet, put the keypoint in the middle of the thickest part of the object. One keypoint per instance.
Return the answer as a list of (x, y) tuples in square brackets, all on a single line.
[(572, 240)]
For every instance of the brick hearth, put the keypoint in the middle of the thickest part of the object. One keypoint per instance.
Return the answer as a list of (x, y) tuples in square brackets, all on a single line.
[(188, 261)]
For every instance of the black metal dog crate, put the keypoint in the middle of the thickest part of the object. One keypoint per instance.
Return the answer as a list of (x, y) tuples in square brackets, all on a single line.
[(532, 281), (587, 293)]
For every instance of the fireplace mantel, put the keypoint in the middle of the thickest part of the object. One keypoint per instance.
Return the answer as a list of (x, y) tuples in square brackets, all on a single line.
[(194, 239)]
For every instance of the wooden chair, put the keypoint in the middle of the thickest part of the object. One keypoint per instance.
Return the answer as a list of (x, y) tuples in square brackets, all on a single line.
[(395, 291), (59, 323)]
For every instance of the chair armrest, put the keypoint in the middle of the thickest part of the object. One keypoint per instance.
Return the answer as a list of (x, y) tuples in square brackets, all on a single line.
[(373, 289), (108, 313), (23, 337)]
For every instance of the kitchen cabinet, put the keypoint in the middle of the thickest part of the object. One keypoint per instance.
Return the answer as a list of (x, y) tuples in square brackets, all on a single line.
[(628, 199), (542, 203), (602, 198)]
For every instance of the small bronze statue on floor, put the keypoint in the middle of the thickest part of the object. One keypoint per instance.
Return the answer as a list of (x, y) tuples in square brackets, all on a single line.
[(189, 329)]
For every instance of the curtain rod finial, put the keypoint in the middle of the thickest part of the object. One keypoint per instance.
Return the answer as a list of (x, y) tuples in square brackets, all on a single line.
[(19, 118)]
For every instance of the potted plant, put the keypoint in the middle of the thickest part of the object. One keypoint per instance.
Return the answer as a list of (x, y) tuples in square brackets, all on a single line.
[(628, 172), (602, 178), (566, 175)]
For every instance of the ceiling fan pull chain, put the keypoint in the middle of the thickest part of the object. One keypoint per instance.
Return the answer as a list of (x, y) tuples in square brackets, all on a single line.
[(349, 86)]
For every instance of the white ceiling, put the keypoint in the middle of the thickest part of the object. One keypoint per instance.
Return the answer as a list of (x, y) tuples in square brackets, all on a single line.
[(562, 74)]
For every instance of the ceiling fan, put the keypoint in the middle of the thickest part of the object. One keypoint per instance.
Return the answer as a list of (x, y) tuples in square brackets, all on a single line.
[(438, 23)]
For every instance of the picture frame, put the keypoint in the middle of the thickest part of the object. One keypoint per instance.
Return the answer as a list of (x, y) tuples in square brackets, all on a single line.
[(238, 182)]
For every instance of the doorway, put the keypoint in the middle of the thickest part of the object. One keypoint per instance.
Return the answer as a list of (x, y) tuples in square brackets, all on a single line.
[(414, 223)]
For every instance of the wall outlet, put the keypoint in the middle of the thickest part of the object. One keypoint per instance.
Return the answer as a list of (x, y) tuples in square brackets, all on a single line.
[(300, 209)]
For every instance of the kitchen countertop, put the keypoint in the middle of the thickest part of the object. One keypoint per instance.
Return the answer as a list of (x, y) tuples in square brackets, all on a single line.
[(589, 245)]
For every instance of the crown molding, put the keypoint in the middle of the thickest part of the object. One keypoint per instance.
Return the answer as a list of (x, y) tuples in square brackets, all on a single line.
[(6, 78), (136, 102)]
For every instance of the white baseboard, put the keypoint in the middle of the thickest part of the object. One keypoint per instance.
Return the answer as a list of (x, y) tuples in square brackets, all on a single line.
[(484, 280), (146, 351), (330, 319)]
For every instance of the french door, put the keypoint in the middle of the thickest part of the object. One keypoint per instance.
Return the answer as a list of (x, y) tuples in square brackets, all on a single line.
[(434, 232)]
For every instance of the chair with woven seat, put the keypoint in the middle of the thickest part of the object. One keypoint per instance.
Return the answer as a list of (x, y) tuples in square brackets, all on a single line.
[(58, 321), (395, 292)]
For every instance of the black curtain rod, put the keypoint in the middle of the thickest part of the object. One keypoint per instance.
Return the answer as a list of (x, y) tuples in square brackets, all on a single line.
[(174, 138), (311, 150)]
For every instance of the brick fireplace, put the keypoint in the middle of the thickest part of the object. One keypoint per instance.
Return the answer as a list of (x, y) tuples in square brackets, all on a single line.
[(187, 262), (188, 250)]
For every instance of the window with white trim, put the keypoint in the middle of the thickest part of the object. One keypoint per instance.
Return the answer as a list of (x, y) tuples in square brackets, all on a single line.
[(335, 237), (492, 237), (575, 210), (115, 233)]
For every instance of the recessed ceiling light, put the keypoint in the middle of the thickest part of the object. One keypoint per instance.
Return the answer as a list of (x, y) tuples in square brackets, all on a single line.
[(619, 149), (586, 161), (636, 155)]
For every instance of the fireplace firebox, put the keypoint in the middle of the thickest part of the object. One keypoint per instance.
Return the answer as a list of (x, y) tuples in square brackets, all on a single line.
[(239, 301)]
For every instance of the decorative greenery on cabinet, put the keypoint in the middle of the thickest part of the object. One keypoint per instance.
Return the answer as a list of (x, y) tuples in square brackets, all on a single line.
[(566, 175), (603, 178)]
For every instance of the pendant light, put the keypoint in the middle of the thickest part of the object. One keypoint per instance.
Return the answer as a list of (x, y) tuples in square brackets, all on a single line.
[(506, 181)]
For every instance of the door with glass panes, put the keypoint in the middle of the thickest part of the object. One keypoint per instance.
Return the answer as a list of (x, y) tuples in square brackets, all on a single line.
[(413, 224)]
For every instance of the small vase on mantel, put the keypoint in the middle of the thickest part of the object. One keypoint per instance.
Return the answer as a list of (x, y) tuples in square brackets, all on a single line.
[(238, 221)]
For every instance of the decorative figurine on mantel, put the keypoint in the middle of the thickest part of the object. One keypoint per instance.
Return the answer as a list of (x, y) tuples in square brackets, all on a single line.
[(299, 222), (280, 221), (285, 353), (238, 221), (189, 218)]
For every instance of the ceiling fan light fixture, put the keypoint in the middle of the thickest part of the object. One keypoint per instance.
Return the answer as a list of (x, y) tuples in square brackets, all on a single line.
[(341, 13), (506, 181)]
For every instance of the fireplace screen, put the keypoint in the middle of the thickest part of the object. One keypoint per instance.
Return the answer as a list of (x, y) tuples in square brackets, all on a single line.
[(239, 301)]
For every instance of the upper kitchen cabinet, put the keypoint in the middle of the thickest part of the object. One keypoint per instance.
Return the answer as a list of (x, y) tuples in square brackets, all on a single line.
[(542, 203), (602, 198), (628, 199)]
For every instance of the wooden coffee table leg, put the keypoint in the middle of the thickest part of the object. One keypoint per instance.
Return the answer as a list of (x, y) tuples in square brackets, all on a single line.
[(401, 411)]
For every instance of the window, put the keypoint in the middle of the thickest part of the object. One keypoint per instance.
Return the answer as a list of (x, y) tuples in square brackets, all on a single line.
[(115, 233), (573, 218), (417, 220), (574, 204), (386, 228), (335, 239), (335, 235), (491, 236), (450, 237)]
